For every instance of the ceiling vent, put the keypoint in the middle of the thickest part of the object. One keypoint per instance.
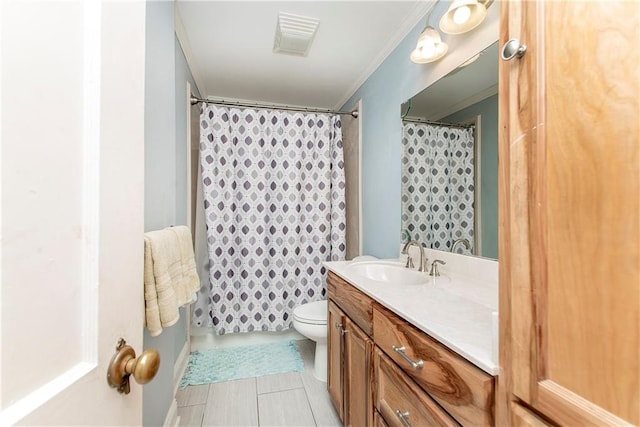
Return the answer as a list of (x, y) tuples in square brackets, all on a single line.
[(294, 34)]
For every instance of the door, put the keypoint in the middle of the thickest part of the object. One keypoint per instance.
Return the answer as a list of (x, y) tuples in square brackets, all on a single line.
[(72, 160), (569, 209)]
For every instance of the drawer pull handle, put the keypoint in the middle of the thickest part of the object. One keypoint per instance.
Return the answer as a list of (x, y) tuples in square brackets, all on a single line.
[(404, 418), (401, 352), (338, 325), (343, 331)]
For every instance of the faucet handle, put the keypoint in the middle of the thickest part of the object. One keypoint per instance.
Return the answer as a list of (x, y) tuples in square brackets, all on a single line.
[(434, 267), (409, 262)]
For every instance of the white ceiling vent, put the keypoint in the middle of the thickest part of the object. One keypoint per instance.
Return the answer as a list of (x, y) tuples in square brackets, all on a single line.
[(294, 34)]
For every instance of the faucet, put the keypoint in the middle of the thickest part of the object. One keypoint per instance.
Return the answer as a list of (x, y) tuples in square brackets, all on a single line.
[(434, 267), (464, 242), (423, 261)]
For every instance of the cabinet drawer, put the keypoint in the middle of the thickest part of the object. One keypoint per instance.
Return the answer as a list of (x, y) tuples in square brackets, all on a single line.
[(463, 390), (354, 303), (378, 421), (522, 417), (398, 397)]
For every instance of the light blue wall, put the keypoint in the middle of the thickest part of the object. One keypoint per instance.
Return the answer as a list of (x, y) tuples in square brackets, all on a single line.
[(396, 80), (488, 110), (160, 187), (165, 178), (160, 112)]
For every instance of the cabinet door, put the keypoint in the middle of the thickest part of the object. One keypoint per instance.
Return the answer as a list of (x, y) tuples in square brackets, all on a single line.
[(358, 353), (569, 209), (335, 326)]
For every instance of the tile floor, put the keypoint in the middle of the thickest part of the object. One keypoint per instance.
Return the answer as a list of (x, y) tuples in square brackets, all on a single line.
[(291, 399)]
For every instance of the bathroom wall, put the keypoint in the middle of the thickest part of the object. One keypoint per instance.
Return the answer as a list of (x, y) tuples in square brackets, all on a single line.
[(351, 144), (488, 110), (394, 81), (165, 178)]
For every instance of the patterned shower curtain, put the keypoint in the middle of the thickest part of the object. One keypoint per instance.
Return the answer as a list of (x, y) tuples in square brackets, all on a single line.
[(437, 184), (274, 199)]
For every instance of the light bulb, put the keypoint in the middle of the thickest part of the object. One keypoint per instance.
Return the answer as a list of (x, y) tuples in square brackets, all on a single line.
[(461, 15), (429, 47), (428, 50)]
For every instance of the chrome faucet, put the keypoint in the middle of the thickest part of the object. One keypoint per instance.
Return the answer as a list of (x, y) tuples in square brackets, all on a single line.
[(464, 242), (423, 261)]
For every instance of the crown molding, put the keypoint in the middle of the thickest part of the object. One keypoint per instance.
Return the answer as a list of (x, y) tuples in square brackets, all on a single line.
[(416, 15)]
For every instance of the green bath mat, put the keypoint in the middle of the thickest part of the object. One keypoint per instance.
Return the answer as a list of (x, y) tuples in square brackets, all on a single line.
[(225, 364)]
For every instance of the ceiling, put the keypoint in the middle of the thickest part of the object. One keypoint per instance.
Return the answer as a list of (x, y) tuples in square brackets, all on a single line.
[(229, 47)]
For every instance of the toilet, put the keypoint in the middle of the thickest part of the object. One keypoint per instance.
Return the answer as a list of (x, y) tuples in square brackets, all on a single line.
[(311, 321)]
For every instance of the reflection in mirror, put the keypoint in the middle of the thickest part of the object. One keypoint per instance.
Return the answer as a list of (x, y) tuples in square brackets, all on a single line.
[(450, 160)]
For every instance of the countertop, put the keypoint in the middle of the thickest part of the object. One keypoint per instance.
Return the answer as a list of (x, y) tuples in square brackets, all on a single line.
[(455, 309)]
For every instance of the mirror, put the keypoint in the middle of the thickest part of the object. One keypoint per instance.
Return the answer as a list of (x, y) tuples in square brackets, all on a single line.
[(450, 160)]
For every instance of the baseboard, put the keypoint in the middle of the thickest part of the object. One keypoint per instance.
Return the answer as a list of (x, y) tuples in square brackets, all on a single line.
[(180, 367), (172, 416), (172, 419)]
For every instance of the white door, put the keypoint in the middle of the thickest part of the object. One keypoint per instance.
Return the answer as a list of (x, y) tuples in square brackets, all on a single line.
[(71, 164)]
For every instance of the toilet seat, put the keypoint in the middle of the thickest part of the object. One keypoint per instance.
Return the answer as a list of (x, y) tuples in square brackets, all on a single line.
[(313, 313)]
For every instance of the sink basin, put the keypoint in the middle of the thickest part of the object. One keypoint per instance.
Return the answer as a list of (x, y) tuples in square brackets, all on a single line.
[(389, 272)]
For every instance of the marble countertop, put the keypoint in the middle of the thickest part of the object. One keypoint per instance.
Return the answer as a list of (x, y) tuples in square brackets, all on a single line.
[(457, 310)]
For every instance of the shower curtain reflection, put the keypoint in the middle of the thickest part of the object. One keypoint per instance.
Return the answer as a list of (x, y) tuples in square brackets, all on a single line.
[(437, 184), (273, 188)]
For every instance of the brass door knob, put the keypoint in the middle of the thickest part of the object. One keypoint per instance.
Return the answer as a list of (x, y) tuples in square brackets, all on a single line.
[(125, 363)]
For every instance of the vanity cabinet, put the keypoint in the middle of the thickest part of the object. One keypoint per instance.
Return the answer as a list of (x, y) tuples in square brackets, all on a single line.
[(335, 367), (569, 207), (401, 402), (350, 351), (384, 371), (463, 390)]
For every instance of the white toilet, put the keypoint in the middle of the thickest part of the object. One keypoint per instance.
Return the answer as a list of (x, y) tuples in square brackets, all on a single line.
[(311, 321)]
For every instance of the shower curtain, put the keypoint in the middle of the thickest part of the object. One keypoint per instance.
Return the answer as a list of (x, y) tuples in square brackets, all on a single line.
[(437, 184), (273, 184)]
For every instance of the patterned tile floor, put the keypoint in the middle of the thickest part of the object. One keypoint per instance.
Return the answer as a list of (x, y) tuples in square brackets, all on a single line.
[(291, 399)]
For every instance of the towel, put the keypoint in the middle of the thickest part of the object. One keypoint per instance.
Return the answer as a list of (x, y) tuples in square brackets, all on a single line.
[(189, 282), (170, 278)]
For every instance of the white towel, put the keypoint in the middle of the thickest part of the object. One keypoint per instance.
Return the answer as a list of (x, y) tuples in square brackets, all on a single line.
[(169, 276), (189, 282)]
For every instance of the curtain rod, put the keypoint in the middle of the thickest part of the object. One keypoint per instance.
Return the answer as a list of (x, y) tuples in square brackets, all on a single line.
[(430, 122), (195, 100)]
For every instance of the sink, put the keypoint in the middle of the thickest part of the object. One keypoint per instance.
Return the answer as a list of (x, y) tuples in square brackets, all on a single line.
[(389, 272)]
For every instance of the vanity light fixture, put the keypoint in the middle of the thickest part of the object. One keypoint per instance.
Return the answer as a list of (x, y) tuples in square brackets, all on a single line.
[(429, 48), (464, 16)]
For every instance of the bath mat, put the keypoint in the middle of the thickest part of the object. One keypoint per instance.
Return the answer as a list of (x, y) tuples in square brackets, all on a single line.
[(225, 364)]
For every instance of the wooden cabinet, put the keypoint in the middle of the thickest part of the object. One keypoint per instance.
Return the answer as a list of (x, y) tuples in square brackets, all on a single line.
[(335, 368), (350, 354), (358, 350), (443, 389), (401, 402), (522, 417), (378, 421), (569, 208), (463, 390)]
